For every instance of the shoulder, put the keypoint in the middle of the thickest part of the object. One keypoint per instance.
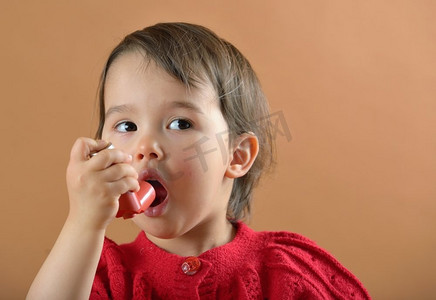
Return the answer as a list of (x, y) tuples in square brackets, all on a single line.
[(291, 261), (278, 242)]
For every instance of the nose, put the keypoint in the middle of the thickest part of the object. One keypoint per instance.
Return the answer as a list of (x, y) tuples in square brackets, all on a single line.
[(148, 149)]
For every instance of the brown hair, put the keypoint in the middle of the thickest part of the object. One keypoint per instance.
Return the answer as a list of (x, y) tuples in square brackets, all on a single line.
[(192, 53)]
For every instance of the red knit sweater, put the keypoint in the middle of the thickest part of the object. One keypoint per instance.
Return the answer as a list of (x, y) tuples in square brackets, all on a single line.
[(255, 265)]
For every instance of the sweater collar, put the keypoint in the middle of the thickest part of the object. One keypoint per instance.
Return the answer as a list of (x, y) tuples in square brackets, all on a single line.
[(234, 247)]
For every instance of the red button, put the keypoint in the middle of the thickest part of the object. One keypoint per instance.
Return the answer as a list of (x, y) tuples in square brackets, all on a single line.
[(191, 265)]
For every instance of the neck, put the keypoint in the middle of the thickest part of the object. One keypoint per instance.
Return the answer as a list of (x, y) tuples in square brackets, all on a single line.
[(201, 238)]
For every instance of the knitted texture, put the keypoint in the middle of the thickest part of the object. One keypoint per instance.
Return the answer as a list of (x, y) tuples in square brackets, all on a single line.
[(255, 265)]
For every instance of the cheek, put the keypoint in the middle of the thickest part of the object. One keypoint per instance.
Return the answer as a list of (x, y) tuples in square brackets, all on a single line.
[(109, 135), (203, 169), (204, 154)]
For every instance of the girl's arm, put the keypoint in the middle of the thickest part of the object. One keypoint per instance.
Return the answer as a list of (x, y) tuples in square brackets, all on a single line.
[(94, 186), (69, 270)]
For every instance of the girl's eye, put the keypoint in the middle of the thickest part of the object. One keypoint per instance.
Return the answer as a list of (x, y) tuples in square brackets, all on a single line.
[(180, 124), (126, 127)]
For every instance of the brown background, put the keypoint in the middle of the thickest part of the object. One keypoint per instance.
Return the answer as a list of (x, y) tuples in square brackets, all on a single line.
[(355, 81)]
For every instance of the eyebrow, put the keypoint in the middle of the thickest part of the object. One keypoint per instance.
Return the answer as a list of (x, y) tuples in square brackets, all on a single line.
[(176, 104), (119, 109), (187, 105)]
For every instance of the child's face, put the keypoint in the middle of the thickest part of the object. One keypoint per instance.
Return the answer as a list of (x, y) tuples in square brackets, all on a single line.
[(176, 136)]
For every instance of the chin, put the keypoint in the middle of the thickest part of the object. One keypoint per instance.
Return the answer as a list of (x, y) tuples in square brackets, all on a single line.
[(157, 228)]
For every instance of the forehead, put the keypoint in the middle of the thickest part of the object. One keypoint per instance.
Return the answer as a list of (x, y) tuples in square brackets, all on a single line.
[(191, 73), (133, 74)]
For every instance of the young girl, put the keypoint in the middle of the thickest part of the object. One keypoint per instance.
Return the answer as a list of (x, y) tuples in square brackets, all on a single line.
[(185, 112)]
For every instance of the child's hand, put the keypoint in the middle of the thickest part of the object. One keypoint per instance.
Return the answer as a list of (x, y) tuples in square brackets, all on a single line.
[(95, 184)]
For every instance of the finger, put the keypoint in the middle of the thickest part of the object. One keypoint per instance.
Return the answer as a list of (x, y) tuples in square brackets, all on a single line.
[(106, 158), (117, 172), (124, 185), (83, 147)]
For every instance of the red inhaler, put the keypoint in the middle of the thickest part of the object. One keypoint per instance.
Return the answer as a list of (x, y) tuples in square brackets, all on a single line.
[(132, 203), (135, 203)]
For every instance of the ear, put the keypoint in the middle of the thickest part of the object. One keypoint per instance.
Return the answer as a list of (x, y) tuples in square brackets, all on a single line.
[(245, 149)]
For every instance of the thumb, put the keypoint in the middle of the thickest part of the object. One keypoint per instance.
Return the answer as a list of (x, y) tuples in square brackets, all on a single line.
[(84, 147)]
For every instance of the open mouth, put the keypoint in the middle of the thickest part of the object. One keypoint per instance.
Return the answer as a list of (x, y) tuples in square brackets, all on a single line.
[(161, 192)]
